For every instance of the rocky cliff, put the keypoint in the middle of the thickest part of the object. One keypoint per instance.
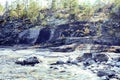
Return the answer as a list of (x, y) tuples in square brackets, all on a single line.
[(19, 32)]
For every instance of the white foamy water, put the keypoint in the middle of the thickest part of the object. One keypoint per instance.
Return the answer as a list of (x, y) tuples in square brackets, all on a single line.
[(42, 71)]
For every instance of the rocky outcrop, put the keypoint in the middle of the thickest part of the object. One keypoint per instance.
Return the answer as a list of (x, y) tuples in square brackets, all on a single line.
[(28, 61), (82, 32), (110, 31), (29, 36), (101, 58), (90, 58)]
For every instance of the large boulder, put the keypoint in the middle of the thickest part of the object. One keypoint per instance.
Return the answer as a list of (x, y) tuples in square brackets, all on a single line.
[(101, 58), (84, 57), (28, 61), (29, 36)]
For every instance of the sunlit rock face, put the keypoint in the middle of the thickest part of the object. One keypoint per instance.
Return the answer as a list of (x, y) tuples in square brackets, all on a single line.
[(29, 36)]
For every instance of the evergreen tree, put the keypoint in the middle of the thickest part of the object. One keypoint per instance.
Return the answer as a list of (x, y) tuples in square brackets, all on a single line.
[(53, 5), (74, 9), (1, 8)]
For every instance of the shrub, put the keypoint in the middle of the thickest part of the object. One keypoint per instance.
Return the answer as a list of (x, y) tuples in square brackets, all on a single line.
[(33, 10), (1, 9), (44, 23), (18, 9), (115, 12), (86, 12)]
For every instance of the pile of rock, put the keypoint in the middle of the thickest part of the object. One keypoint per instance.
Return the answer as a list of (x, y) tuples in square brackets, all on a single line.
[(101, 64)]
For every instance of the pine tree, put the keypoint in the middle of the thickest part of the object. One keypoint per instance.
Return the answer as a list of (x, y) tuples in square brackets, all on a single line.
[(1, 8), (53, 5), (74, 9)]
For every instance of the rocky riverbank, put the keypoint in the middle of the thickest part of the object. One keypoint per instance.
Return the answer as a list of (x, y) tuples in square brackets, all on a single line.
[(81, 64), (17, 31)]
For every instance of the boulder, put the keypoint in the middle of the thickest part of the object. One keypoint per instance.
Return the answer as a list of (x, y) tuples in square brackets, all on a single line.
[(28, 61), (67, 49), (101, 58), (117, 50), (29, 36), (84, 57), (108, 73), (58, 63)]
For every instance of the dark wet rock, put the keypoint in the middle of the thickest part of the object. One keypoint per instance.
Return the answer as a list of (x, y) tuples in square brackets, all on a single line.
[(75, 62), (29, 61), (75, 29), (101, 58), (52, 67), (18, 31), (67, 49), (118, 59), (110, 31), (88, 62), (84, 57), (44, 35), (57, 42), (108, 73), (71, 61), (62, 71), (117, 50), (8, 36), (111, 63), (58, 63)]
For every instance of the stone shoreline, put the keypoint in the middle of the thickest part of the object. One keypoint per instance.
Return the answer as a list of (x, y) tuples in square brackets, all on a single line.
[(76, 65)]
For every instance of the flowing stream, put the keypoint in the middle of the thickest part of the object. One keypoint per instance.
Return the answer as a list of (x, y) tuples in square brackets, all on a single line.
[(42, 71)]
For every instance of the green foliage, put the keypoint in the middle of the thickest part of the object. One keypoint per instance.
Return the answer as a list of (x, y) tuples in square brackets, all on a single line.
[(54, 5), (115, 12), (73, 9), (65, 9), (86, 12), (1, 8), (33, 10), (44, 23), (18, 9)]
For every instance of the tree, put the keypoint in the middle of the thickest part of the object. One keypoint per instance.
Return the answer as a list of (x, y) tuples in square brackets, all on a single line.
[(74, 9), (115, 12), (1, 8), (53, 5)]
